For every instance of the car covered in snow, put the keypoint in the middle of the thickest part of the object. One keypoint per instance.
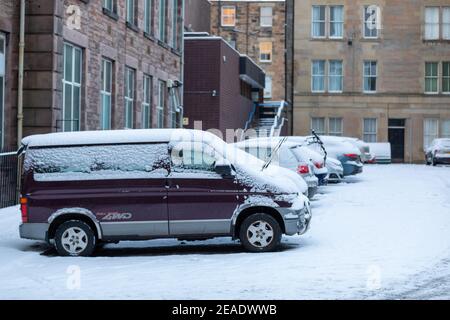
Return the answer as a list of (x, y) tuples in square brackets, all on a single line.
[(335, 170), (438, 152), (363, 147), (287, 155), (82, 189), (338, 148)]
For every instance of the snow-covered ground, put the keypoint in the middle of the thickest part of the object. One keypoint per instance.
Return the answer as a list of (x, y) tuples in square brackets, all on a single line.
[(384, 234)]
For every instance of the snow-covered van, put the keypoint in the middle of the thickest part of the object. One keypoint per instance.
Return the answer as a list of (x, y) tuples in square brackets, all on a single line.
[(82, 189)]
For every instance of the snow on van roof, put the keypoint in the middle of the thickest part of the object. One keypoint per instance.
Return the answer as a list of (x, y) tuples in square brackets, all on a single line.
[(116, 137)]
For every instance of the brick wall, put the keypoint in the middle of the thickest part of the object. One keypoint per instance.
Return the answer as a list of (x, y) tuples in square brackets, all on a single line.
[(212, 65)]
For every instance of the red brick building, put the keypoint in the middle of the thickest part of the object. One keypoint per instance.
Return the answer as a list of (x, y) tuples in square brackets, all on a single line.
[(92, 65), (221, 86)]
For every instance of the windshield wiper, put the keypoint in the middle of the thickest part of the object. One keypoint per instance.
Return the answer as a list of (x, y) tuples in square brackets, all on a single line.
[(320, 143), (274, 151)]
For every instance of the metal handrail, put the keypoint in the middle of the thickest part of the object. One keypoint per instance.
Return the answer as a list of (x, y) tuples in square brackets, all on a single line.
[(277, 119)]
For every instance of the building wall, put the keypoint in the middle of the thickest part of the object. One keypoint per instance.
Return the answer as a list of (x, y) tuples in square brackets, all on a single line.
[(9, 28), (400, 52), (213, 66), (196, 16), (248, 34), (52, 23), (202, 77)]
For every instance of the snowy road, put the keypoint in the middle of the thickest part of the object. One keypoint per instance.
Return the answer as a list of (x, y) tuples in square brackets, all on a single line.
[(384, 234)]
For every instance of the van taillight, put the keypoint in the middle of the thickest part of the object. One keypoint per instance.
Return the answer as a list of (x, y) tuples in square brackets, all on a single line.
[(24, 209), (303, 169)]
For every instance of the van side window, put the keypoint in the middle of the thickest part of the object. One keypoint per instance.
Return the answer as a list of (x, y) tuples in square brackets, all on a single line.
[(99, 162), (189, 157)]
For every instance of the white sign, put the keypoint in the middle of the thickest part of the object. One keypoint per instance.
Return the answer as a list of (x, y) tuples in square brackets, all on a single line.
[(74, 17)]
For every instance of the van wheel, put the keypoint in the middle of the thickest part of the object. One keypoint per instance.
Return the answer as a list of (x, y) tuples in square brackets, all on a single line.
[(260, 233), (75, 238)]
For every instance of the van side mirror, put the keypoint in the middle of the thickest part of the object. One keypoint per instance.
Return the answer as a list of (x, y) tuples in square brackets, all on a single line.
[(225, 169)]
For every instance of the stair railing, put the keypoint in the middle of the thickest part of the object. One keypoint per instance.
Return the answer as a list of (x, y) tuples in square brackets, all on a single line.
[(278, 122)]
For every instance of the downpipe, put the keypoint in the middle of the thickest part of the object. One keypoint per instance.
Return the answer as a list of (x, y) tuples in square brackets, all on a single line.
[(20, 74)]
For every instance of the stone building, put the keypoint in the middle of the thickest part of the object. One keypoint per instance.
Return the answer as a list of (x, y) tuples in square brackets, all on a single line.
[(92, 65), (257, 29), (377, 70), (196, 16)]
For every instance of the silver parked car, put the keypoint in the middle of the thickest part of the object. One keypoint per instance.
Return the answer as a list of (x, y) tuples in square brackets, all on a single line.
[(288, 155)]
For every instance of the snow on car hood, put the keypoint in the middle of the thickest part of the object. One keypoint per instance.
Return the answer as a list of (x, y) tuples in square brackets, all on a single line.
[(274, 179)]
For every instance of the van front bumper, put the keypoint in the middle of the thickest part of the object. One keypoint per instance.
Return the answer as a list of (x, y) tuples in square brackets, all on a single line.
[(297, 221), (34, 231)]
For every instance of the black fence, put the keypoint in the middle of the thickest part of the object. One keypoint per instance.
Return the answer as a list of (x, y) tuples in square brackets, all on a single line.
[(9, 178)]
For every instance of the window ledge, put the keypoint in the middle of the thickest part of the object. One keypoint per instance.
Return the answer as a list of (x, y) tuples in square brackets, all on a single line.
[(176, 52), (163, 44), (132, 27), (149, 36), (445, 41), (328, 39), (370, 40), (110, 14)]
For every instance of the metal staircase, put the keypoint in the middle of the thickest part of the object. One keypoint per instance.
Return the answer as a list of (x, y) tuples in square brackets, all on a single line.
[(270, 120)]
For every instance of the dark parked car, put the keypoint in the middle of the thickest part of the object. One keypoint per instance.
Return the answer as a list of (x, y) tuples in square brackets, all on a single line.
[(82, 189), (438, 152)]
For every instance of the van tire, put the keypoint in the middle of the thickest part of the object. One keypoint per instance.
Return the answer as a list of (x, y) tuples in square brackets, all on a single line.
[(76, 235), (260, 222)]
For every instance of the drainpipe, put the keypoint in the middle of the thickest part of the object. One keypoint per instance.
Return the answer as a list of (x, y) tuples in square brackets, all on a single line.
[(182, 65), (20, 84)]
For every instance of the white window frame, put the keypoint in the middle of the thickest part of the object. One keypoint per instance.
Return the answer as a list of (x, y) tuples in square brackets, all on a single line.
[(264, 17), (319, 75), (320, 133), (261, 52), (72, 124), (161, 104), (109, 5), (147, 102), (436, 78), (162, 10), (432, 24), (106, 94), (336, 133), (175, 30), (324, 22), (148, 16), (2, 98), (365, 23), (330, 76), (130, 75), (367, 133), (335, 21), (366, 76), (222, 15), (430, 137), (131, 12), (444, 63), (445, 123), (446, 23), (268, 88)]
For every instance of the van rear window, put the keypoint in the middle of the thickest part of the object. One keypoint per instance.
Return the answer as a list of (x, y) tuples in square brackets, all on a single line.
[(98, 162)]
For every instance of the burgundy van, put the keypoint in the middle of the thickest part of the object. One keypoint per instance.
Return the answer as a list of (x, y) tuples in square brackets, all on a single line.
[(82, 189)]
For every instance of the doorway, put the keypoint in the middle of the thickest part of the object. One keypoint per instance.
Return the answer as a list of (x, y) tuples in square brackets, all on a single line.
[(397, 139)]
